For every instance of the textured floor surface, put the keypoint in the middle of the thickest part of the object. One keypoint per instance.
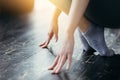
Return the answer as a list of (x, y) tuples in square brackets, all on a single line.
[(21, 58)]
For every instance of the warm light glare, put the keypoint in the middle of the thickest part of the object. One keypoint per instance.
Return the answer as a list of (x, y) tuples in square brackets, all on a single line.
[(16, 6)]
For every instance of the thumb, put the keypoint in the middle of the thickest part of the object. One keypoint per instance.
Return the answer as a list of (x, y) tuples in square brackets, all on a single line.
[(69, 62), (56, 36)]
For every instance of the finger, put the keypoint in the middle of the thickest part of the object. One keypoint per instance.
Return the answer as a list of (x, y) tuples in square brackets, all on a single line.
[(42, 43), (50, 34), (47, 42), (54, 63), (45, 45), (56, 37), (60, 65), (57, 65), (69, 61)]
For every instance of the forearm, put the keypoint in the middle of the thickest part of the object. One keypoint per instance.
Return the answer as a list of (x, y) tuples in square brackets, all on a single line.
[(77, 10), (56, 14)]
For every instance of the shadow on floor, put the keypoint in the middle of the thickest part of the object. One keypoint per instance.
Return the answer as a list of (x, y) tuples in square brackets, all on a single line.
[(89, 68), (12, 26)]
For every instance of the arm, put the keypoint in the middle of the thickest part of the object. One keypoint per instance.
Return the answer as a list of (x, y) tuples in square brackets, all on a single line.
[(77, 10), (53, 28), (56, 14), (76, 14)]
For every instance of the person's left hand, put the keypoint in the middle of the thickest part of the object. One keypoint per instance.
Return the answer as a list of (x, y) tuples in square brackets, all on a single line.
[(53, 31), (64, 55)]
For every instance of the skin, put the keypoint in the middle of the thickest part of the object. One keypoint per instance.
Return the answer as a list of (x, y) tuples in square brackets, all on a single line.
[(76, 19)]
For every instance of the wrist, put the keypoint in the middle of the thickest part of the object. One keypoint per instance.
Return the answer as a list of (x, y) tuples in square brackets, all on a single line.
[(54, 21), (55, 18), (69, 34), (70, 29)]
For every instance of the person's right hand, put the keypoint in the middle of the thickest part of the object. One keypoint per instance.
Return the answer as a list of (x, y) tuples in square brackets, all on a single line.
[(53, 31)]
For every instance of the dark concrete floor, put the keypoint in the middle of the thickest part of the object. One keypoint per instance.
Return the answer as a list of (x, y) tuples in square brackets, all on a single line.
[(21, 58)]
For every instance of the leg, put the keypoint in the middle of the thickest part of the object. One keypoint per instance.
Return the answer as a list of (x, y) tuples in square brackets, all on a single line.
[(87, 49), (84, 42), (95, 37), (83, 26)]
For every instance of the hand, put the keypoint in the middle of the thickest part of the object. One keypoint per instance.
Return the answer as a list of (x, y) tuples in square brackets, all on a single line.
[(64, 55), (52, 32)]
